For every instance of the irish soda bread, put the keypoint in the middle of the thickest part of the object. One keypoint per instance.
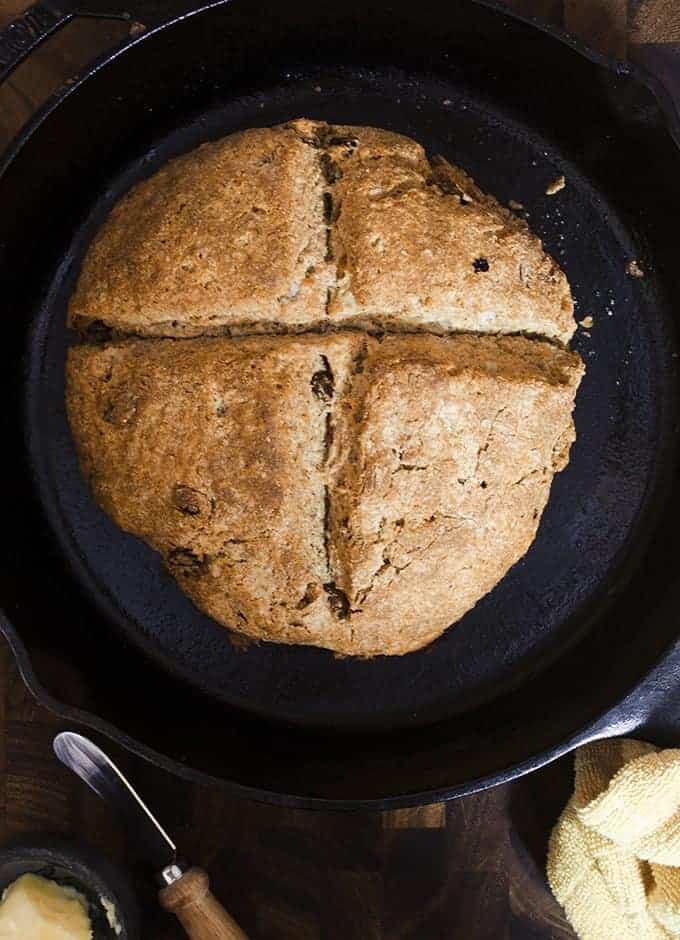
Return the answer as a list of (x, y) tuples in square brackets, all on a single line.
[(360, 480), (305, 226)]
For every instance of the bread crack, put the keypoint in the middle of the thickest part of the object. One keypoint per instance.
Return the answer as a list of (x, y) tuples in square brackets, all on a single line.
[(325, 327), (410, 466), (387, 564), (327, 531), (485, 446), (347, 459), (400, 189), (528, 476)]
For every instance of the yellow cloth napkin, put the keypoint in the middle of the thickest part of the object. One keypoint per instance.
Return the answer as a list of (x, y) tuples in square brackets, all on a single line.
[(614, 855)]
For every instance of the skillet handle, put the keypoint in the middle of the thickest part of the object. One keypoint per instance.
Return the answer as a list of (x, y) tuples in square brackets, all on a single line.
[(39, 21), (26, 32), (198, 911)]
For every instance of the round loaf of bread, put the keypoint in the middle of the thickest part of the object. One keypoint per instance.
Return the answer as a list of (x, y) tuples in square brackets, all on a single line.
[(335, 388)]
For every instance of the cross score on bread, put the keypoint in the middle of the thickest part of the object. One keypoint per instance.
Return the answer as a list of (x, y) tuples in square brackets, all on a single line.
[(311, 396)]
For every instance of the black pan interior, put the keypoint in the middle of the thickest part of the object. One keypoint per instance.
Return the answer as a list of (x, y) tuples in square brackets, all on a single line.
[(598, 503), (516, 118)]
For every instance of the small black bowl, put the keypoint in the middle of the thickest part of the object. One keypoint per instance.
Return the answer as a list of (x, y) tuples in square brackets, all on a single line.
[(81, 867)]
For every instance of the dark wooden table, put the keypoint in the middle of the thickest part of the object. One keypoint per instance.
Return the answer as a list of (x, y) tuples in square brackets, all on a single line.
[(472, 869)]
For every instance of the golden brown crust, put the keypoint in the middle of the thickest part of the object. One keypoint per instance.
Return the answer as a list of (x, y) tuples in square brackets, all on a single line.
[(308, 490), (233, 238), (454, 447), (328, 489), (212, 451), (419, 246), (230, 235)]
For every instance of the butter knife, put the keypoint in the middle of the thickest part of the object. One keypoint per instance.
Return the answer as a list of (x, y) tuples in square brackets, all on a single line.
[(185, 890)]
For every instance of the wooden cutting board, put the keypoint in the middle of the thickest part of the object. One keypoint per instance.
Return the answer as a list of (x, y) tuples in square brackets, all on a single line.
[(471, 870)]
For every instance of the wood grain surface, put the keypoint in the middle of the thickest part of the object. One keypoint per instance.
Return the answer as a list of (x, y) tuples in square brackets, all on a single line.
[(472, 869)]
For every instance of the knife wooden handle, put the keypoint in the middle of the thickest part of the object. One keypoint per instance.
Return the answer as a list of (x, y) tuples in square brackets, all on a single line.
[(198, 911)]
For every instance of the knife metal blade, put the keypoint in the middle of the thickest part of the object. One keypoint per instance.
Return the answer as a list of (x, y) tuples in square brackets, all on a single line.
[(98, 771)]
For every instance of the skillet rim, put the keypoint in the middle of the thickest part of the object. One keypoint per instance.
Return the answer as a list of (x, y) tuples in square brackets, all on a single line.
[(609, 723)]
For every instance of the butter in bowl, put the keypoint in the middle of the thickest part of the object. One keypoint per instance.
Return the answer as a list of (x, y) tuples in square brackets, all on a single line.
[(58, 889)]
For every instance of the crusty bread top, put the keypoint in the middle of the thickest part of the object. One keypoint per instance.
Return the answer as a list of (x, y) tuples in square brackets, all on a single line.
[(419, 245), (449, 465), (330, 490), (231, 234), (212, 450), (306, 224)]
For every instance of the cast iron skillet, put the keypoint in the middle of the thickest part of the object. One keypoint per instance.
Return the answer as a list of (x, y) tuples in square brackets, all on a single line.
[(104, 636)]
